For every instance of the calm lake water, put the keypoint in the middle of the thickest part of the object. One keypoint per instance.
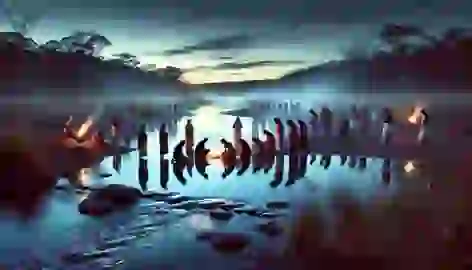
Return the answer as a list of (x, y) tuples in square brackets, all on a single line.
[(146, 240)]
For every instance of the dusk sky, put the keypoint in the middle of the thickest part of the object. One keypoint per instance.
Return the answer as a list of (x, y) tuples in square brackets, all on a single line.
[(227, 40)]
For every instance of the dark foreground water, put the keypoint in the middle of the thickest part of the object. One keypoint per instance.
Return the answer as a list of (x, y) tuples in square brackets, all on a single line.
[(414, 216)]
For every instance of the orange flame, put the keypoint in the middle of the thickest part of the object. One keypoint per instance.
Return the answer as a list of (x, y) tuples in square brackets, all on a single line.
[(84, 128), (409, 167), (214, 154), (414, 118)]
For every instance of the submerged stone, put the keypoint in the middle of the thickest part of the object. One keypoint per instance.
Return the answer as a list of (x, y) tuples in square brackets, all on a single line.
[(221, 215), (277, 205), (109, 199), (225, 242), (270, 228)]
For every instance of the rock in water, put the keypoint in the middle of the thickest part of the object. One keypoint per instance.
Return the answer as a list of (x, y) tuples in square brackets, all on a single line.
[(226, 242), (270, 228), (221, 215), (277, 205), (109, 199)]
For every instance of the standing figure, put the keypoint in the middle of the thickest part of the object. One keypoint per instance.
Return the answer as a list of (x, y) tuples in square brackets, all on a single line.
[(294, 137), (387, 126), (354, 118), (326, 118), (189, 133), (344, 128), (314, 124), (365, 120), (163, 140), (142, 140), (304, 144), (279, 134), (237, 135), (424, 122)]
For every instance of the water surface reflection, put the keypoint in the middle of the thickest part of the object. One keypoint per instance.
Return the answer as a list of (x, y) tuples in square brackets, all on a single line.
[(436, 185)]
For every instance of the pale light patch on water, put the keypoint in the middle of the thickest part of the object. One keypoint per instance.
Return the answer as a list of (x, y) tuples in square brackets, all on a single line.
[(54, 228)]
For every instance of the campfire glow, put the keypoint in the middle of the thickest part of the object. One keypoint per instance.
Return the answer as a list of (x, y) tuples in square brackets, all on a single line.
[(84, 128), (414, 118), (409, 167), (214, 154)]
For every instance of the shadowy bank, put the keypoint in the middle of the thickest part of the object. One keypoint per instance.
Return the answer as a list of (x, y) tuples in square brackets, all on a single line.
[(27, 68), (408, 60)]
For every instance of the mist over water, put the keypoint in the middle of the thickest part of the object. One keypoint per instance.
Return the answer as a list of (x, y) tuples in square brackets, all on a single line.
[(58, 227)]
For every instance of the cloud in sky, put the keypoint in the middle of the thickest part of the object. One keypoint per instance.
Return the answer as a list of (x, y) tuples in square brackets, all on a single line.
[(237, 41), (247, 65)]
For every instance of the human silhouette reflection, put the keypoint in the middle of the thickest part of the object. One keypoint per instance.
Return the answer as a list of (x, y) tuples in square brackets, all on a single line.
[(314, 124), (293, 137), (365, 121), (228, 157), (343, 159), (163, 140), (142, 140), (325, 161), (237, 134), (352, 161), (279, 134), (388, 122), (244, 157), (201, 161), (190, 161), (143, 174), (257, 146), (179, 162), (312, 157), (326, 119), (270, 142), (344, 128), (386, 171), (117, 161), (269, 160), (279, 170), (362, 163), (303, 164), (189, 134), (164, 173), (293, 168), (257, 155), (304, 142)]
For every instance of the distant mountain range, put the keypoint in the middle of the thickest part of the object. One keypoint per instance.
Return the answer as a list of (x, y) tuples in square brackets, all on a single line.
[(441, 65), (72, 66)]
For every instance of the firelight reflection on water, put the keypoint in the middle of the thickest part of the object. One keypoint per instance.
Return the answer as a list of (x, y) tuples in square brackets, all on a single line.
[(60, 224)]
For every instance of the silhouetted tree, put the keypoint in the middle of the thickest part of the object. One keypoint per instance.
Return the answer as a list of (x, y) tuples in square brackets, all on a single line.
[(52, 45), (98, 42), (397, 36), (170, 72), (86, 48), (127, 59), (18, 39), (455, 35)]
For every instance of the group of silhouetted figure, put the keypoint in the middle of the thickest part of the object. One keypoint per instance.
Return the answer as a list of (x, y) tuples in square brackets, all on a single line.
[(239, 155)]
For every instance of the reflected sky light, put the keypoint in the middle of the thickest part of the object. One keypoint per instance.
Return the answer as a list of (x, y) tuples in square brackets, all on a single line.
[(84, 176)]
